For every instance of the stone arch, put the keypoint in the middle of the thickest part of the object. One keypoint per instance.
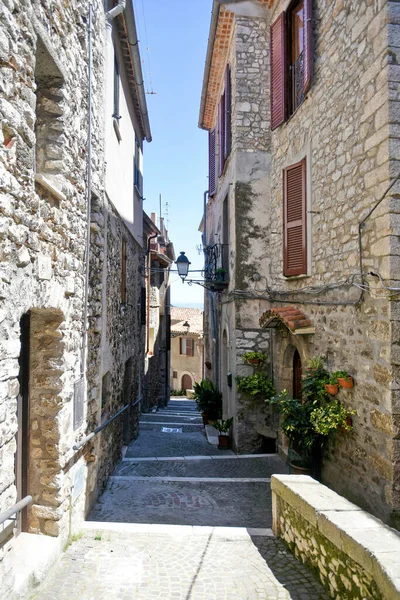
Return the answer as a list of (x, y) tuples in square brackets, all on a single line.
[(44, 469)]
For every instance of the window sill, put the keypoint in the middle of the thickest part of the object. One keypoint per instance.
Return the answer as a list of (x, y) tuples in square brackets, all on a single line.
[(50, 187), (117, 129), (295, 277)]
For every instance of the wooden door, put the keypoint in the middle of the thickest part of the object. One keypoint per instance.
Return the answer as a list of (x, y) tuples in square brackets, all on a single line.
[(296, 375), (187, 382)]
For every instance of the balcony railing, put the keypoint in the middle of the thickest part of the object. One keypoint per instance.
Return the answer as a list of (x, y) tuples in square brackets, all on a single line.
[(216, 266)]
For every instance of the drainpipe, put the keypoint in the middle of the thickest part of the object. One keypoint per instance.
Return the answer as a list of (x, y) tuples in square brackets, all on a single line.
[(114, 12)]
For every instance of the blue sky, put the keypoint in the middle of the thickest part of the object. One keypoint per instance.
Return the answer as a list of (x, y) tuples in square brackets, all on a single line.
[(176, 161)]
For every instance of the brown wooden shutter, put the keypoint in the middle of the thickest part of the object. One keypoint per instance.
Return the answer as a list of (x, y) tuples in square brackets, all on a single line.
[(189, 347), (180, 346), (227, 113), (123, 272), (294, 220), (221, 136), (278, 71), (212, 179), (307, 51)]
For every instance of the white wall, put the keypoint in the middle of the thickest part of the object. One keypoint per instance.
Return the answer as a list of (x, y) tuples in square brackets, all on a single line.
[(120, 153)]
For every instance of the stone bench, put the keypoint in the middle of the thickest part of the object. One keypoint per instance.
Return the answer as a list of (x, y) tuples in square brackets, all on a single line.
[(354, 554)]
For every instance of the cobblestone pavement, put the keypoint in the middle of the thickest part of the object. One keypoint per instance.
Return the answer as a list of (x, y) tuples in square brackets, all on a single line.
[(174, 526)]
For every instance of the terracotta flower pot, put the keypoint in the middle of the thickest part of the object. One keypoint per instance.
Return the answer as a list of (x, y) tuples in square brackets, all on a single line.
[(346, 383), (204, 416), (332, 388), (223, 441), (253, 361)]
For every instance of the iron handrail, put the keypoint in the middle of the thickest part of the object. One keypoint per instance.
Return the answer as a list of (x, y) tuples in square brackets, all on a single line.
[(5, 516), (88, 437)]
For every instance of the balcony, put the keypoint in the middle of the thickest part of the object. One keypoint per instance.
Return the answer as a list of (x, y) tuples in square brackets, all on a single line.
[(216, 263)]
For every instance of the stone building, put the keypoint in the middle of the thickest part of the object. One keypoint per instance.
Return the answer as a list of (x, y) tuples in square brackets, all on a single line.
[(301, 103), (186, 347), (156, 314), (73, 120)]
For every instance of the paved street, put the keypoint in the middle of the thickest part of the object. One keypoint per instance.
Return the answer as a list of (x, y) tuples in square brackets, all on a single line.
[(181, 520)]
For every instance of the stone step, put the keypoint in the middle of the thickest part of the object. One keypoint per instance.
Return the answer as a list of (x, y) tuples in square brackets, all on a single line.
[(223, 467)]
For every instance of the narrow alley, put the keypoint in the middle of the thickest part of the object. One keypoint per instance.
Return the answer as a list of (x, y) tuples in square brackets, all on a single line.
[(181, 519)]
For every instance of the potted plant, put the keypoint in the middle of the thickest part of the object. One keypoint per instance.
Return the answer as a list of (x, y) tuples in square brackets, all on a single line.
[(208, 400), (258, 387), (315, 364), (332, 387), (309, 425), (254, 358), (344, 379), (220, 274), (223, 427)]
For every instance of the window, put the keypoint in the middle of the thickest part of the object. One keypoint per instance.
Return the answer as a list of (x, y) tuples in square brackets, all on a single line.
[(294, 220), (175, 374), (186, 346), (123, 271), (290, 56), (138, 177), (224, 123)]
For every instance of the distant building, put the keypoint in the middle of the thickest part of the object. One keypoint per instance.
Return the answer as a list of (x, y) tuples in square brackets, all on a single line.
[(159, 257), (186, 347)]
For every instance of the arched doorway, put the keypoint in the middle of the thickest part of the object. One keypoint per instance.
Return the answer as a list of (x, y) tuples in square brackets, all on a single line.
[(296, 375), (187, 383)]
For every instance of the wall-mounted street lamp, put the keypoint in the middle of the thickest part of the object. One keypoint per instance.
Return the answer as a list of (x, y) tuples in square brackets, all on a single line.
[(186, 325), (214, 278), (182, 264)]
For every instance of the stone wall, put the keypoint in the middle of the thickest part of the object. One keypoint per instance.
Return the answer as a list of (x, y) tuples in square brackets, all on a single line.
[(353, 554), (343, 130), (42, 247), (116, 341)]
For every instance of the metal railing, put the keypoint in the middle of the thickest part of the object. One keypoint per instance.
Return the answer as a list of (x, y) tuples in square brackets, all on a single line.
[(215, 259), (7, 515), (88, 437)]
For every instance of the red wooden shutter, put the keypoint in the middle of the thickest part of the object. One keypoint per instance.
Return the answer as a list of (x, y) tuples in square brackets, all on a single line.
[(212, 179), (228, 111), (307, 51), (278, 71), (294, 220), (221, 136)]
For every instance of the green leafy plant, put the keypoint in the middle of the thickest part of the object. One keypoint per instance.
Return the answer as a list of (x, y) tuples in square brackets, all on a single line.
[(208, 399), (223, 426), (220, 270), (315, 363), (342, 375), (260, 356), (313, 384), (333, 380), (310, 423), (331, 417), (256, 385)]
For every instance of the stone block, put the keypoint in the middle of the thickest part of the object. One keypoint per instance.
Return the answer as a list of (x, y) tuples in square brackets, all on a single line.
[(23, 257), (44, 269)]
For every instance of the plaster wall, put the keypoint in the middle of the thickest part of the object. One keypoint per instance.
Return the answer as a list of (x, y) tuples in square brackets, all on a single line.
[(182, 364), (120, 153)]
